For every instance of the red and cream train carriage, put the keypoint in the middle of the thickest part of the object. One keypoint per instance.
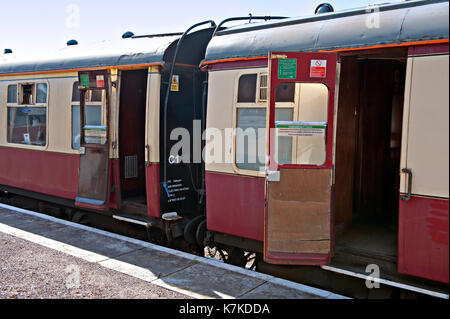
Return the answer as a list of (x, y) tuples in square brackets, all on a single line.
[(372, 186), (350, 163)]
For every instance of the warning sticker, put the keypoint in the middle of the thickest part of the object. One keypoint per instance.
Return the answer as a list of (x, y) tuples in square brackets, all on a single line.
[(318, 69), (175, 86), (100, 81)]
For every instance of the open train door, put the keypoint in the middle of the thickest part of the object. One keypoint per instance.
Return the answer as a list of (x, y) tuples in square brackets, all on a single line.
[(94, 144), (298, 216)]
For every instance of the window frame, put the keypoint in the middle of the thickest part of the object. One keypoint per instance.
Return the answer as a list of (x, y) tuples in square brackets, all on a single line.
[(20, 84), (101, 104), (258, 104)]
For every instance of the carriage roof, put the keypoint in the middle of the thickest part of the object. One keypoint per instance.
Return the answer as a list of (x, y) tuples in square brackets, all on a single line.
[(399, 23), (103, 54)]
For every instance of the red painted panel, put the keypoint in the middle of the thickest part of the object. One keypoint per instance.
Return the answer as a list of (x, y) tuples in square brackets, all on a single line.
[(153, 190), (239, 64), (114, 184), (423, 238), (235, 205), (49, 173), (428, 49)]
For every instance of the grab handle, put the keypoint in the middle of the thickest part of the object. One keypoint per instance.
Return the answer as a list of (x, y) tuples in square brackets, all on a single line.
[(409, 172)]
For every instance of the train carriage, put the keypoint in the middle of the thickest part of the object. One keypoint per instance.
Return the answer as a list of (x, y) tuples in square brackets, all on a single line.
[(357, 102), (315, 143), (82, 125)]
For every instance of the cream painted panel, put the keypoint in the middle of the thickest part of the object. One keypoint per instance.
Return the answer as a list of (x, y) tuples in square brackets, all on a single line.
[(222, 98), (428, 130), (153, 115), (60, 115), (3, 112), (313, 108), (220, 115), (113, 116), (408, 80)]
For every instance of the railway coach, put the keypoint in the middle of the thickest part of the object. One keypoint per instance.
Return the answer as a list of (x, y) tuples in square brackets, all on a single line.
[(330, 139), (81, 127), (356, 109)]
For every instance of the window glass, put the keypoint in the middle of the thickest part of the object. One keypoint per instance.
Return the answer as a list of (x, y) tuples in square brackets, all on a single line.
[(93, 117), (75, 92), (306, 135), (27, 125), (250, 138), (12, 94), (284, 142), (96, 95), (247, 88), (41, 93), (286, 92), (27, 94), (263, 87)]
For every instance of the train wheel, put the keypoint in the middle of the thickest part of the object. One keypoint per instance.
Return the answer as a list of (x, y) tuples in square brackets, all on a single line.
[(201, 234), (190, 231)]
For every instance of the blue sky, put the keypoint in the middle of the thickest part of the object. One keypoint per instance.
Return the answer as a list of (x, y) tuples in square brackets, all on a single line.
[(48, 24)]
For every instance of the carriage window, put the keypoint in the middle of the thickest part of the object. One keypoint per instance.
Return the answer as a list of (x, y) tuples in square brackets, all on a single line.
[(12, 94), (26, 94), (251, 121), (27, 125), (247, 88), (90, 96), (41, 93), (251, 138), (93, 117), (306, 136), (75, 93), (93, 114), (286, 92)]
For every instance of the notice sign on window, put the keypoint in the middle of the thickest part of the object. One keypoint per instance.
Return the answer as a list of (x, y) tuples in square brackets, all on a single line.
[(318, 69), (301, 128), (95, 79), (287, 69)]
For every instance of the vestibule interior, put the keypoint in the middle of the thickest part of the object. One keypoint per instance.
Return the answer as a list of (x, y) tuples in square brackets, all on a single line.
[(368, 147), (133, 95)]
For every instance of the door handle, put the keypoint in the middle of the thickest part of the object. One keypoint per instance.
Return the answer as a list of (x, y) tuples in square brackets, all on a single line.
[(410, 176)]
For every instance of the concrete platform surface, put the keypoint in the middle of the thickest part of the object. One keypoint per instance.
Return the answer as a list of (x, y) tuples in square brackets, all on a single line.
[(170, 270)]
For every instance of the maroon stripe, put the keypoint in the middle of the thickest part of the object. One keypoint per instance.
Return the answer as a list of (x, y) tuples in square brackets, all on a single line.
[(238, 64), (424, 238), (48, 173), (428, 49), (235, 205), (153, 190)]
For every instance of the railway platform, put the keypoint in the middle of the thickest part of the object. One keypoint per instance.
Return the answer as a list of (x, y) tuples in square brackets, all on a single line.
[(83, 262)]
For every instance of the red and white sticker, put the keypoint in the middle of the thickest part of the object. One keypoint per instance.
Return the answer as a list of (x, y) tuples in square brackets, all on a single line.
[(318, 69), (100, 81)]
